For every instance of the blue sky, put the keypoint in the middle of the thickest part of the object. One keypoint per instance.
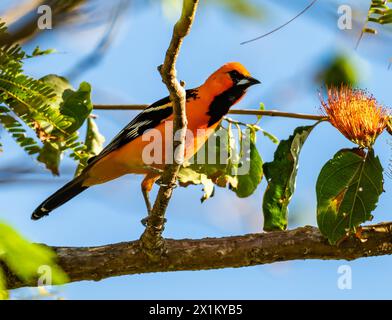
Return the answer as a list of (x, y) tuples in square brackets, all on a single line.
[(286, 63)]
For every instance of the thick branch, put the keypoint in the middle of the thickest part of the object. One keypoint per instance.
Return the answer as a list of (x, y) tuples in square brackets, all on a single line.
[(96, 263), (269, 113), (152, 236)]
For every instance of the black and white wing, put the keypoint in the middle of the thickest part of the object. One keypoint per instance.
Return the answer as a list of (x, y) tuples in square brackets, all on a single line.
[(149, 118)]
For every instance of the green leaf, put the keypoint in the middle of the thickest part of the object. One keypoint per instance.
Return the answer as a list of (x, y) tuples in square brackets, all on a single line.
[(281, 175), (242, 8), (369, 30), (50, 155), (261, 108), (24, 258), (58, 84), (38, 52), (340, 70), (208, 188), (3, 289), (249, 181), (77, 105), (217, 158), (187, 177), (94, 140), (219, 163), (386, 19), (48, 106), (348, 189), (214, 164), (94, 143), (267, 134)]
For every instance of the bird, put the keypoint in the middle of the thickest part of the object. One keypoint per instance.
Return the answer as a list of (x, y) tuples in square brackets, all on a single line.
[(206, 106)]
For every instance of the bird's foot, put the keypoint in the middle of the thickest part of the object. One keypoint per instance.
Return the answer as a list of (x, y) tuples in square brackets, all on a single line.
[(160, 183), (144, 221)]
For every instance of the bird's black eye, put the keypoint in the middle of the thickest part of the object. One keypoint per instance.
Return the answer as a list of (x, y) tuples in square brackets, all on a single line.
[(236, 76)]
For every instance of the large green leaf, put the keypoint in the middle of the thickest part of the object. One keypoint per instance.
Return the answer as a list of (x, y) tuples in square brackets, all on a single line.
[(348, 189), (281, 175), (75, 106)]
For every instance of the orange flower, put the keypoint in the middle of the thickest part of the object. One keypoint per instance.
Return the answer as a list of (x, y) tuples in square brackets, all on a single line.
[(356, 114)]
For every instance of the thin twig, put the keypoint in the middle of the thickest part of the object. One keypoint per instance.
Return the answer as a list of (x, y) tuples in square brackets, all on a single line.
[(151, 240), (281, 26), (269, 113), (120, 106), (359, 39), (274, 113), (363, 28)]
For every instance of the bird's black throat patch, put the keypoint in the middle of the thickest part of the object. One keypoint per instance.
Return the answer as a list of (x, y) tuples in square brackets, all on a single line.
[(221, 104)]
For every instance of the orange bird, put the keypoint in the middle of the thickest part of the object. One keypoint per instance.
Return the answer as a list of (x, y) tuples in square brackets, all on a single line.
[(205, 108)]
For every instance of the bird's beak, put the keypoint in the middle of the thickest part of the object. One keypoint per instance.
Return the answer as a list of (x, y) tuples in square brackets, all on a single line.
[(248, 81)]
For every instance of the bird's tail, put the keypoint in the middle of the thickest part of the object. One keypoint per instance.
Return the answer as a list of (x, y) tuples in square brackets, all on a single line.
[(61, 196)]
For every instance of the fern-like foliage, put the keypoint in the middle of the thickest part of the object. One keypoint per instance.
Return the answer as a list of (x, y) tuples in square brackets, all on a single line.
[(49, 108), (380, 12), (16, 130)]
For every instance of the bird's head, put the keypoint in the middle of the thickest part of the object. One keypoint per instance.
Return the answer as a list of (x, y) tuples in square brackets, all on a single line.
[(229, 76), (225, 87)]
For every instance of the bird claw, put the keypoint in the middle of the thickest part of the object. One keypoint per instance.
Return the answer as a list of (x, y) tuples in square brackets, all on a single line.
[(161, 184), (144, 221)]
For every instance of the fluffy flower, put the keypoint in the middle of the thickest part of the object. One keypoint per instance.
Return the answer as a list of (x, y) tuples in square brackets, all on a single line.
[(356, 114)]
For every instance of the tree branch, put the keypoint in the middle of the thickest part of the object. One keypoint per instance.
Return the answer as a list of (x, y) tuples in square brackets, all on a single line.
[(269, 113), (126, 258), (151, 239)]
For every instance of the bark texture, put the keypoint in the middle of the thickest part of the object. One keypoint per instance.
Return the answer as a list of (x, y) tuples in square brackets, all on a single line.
[(126, 258)]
